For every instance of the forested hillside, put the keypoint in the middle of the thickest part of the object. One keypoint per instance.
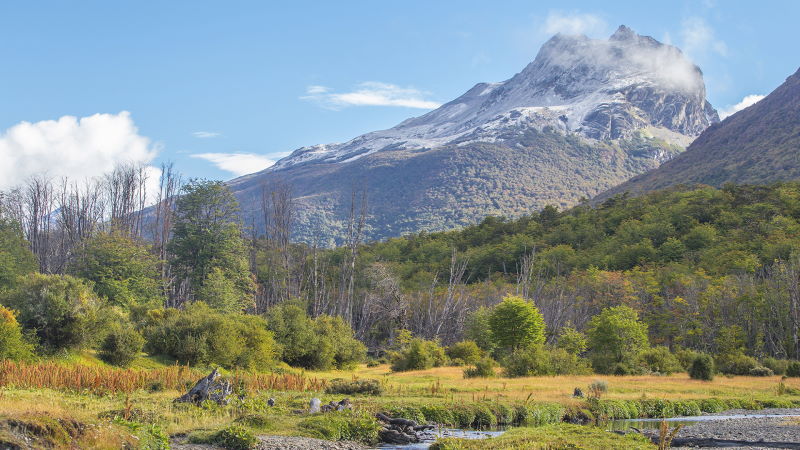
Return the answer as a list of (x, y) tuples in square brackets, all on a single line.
[(685, 270), (693, 262)]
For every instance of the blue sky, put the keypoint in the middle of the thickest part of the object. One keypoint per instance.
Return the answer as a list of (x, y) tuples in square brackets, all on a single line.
[(202, 81)]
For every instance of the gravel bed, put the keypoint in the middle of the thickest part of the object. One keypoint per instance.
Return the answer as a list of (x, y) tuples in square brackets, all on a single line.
[(281, 443), (756, 430)]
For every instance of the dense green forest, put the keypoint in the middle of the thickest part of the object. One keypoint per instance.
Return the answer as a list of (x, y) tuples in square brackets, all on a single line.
[(644, 284)]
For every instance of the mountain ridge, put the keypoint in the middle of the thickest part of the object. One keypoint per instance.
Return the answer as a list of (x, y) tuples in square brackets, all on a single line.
[(757, 145), (583, 116)]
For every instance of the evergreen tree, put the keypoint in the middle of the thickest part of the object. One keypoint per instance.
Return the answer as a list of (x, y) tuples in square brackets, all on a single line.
[(207, 237), (516, 323), (616, 338)]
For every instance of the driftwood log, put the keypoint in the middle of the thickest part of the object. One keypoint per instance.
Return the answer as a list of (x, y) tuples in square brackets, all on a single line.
[(401, 431), (210, 387)]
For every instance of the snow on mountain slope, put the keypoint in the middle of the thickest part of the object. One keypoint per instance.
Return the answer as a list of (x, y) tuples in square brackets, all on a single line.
[(598, 89)]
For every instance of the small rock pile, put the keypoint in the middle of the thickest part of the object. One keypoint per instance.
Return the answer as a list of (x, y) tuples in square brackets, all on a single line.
[(316, 405), (403, 431)]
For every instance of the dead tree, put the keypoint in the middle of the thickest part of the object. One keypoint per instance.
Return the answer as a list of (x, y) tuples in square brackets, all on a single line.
[(355, 230), (169, 186), (277, 208)]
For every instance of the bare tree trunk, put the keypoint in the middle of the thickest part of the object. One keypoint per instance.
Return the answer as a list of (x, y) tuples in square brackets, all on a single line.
[(355, 229)]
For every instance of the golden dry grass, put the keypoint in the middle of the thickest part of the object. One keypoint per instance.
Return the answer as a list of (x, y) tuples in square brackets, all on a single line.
[(449, 381)]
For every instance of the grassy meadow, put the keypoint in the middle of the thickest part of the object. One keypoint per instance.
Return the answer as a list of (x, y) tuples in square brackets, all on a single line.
[(82, 400)]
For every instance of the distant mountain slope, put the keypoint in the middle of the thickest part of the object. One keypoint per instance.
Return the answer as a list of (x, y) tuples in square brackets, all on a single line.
[(758, 145), (585, 115)]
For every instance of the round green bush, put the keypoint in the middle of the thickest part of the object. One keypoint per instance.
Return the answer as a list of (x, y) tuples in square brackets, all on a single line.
[(437, 414), (13, 344), (712, 405), (467, 352), (463, 416), (484, 368), (235, 437), (793, 369), (659, 360), (738, 364), (121, 346), (778, 366), (702, 368), (407, 412), (484, 417)]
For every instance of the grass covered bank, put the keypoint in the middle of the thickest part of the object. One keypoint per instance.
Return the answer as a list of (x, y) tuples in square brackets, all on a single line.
[(136, 406)]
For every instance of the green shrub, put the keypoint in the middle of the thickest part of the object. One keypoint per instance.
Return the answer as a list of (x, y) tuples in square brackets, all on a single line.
[(463, 416), (343, 426), (419, 355), (702, 368), (538, 360), (121, 269), (199, 335), (712, 405), (656, 408), (13, 344), (776, 403), (739, 364), (477, 329), (516, 323), (466, 351), (235, 437), (484, 417), (536, 414), (659, 360), (563, 362), (761, 371), (793, 369), (255, 420), (363, 387), (531, 361), (686, 408), (149, 435), (407, 412), (320, 344), (749, 403), (572, 341), (777, 366), (616, 337), (504, 413), (484, 368), (614, 409), (62, 310), (686, 357), (121, 346), (437, 414)]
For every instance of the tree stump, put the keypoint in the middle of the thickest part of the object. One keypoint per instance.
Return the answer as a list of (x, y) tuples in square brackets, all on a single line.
[(210, 387)]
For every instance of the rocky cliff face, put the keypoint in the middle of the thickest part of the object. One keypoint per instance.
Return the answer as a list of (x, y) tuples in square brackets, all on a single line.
[(757, 145), (585, 115)]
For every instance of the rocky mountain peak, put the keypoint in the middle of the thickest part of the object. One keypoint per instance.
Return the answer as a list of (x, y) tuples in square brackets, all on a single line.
[(595, 88)]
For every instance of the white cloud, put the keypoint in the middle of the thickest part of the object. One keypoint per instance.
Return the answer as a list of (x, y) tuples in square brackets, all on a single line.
[(237, 163), (575, 23), (698, 38), (746, 101), (78, 148), (370, 93), (314, 89), (206, 134)]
